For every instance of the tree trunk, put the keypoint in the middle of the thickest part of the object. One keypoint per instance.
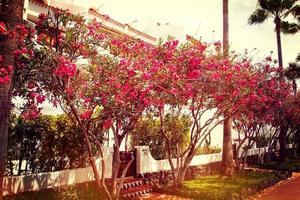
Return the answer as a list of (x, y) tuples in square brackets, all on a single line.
[(227, 154), (278, 39), (11, 14), (294, 87), (227, 164), (101, 188), (282, 143), (225, 28)]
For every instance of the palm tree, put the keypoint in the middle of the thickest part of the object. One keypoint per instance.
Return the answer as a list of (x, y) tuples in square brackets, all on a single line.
[(278, 10), (227, 153), (293, 73), (11, 13)]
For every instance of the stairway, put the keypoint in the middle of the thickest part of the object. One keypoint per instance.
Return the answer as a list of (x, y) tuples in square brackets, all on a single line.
[(134, 187)]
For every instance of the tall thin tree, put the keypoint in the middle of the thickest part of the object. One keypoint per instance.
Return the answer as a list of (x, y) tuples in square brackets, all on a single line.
[(227, 164), (278, 10), (11, 13)]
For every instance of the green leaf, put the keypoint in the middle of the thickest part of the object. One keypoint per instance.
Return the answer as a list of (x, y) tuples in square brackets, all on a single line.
[(258, 17)]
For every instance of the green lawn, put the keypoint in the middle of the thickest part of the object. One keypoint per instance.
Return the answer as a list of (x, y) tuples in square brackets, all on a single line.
[(214, 184), (239, 186), (84, 191)]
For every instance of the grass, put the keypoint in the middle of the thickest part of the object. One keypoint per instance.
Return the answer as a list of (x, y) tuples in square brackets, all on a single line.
[(240, 186), (213, 184), (83, 191)]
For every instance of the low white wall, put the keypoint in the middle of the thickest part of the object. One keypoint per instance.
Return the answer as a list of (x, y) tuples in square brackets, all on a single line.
[(34, 182), (147, 164)]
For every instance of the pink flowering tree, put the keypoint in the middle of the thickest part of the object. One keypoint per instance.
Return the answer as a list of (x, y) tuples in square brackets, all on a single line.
[(255, 120), (191, 79), (109, 91), (44, 66)]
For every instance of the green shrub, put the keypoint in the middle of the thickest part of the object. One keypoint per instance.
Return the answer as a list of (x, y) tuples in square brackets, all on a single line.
[(208, 150), (292, 165), (147, 132), (48, 143)]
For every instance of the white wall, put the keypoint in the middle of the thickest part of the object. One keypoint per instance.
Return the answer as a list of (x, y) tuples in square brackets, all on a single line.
[(147, 164), (35, 182)]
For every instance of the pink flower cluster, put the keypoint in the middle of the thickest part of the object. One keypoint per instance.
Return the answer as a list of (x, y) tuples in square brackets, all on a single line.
[(65, 68), (107, 124), (31, 113), (5, 73), (86, 115), (41, 18)]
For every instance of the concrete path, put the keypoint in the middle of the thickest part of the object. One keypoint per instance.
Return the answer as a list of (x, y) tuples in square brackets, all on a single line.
[(284, 190), (159, 196)]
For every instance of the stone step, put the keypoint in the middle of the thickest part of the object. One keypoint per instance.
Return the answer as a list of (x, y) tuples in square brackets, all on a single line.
[(126, 180), (134, 183), (135, 191)]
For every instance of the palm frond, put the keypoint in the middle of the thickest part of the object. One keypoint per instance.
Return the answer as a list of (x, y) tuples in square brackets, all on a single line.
[(264, 4), (294, 10), (288, 4), (289, 27), (258, 16), (293, 71), (298, 58), (273, 6)]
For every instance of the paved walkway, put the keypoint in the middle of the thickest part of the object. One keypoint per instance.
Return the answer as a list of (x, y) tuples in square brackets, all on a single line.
[(285, 190), (158, 196)]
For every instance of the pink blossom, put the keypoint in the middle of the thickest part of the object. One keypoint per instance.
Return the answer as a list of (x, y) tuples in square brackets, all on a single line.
[(85, 115), (65, 68), (32, 95), (194, 74), (146, 76), (131, 73), (40, 98), (31, 84), (107, 124)]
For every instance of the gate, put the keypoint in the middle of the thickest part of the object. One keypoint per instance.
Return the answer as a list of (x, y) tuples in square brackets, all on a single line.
[(125, 158)]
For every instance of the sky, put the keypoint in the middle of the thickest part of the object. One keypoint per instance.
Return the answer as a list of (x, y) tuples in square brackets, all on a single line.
[(202, 18)]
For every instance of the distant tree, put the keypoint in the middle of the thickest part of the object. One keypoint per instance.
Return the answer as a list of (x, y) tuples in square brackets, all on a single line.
[(278, 10), (147, 132), (293, 73)]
